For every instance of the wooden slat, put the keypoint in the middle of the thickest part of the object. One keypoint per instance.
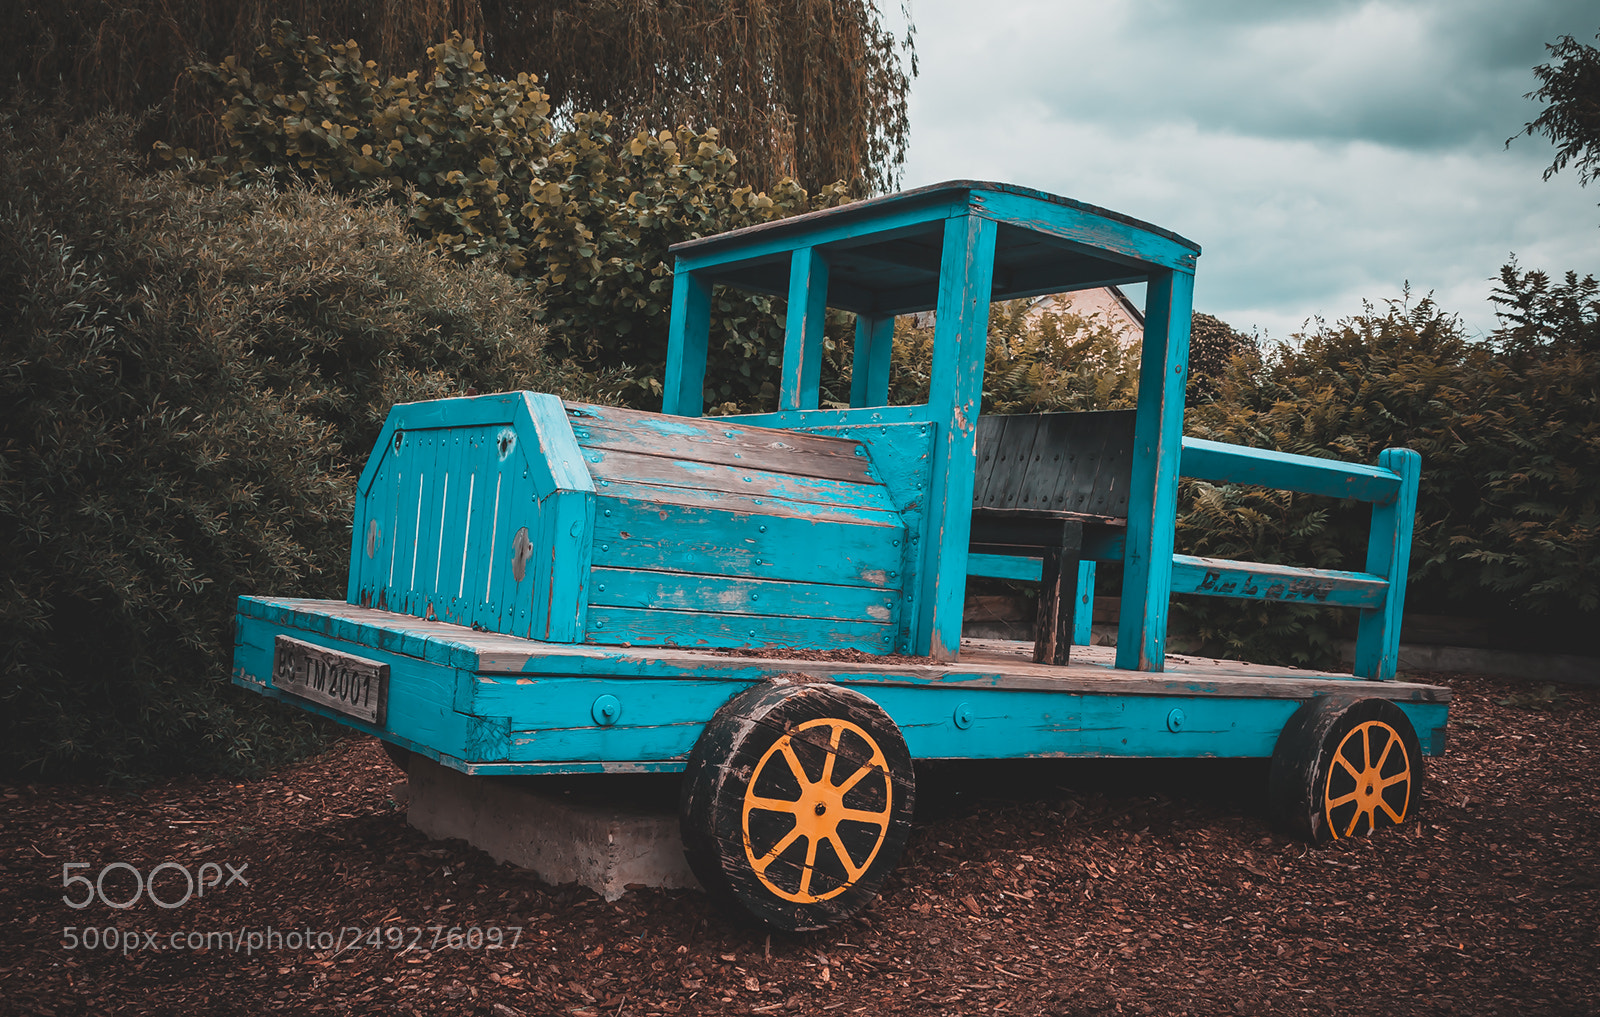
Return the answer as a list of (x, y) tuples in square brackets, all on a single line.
[(711, 440), (677, 591), (983, 663), (1219, 463), (751, 504), (676, 538), (629, 467), (1219, 577), (610, 625)]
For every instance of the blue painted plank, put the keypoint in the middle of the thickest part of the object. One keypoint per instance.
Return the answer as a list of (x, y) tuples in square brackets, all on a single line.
[(420, 695), (1019, 568), (688, 333), (955, 391), (1153, 491), (1219, 577), (677, 591), (830, 226), (708, 541), (809, 419), (1098, 235), (1219, 463), (702, 628), (568, 533), (802, 335), (555, 461), (1389, 555), (1083, 610), (869, 367)]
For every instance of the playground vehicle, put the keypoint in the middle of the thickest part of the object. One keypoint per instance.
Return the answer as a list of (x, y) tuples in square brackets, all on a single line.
[(772, 603)]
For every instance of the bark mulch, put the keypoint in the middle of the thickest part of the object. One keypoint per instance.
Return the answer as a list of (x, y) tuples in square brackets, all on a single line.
[(1093, 888)]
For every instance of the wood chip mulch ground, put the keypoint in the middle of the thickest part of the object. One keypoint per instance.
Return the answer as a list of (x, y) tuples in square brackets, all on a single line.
[(1091, 888)]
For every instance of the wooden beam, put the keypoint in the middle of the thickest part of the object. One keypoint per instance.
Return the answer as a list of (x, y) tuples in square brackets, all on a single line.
[(688, 334), (1389, 555), (1220, 463), (800, 384), (955, 392), (1248, 580), (1153, 490), (869, 370)]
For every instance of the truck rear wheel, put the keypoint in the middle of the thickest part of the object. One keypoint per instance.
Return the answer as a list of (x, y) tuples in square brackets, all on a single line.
[(796, 803), (1344, 767)]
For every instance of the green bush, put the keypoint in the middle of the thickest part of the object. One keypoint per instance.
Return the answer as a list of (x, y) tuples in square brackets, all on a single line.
[(190, 379), (1509, 433), (583, 212)]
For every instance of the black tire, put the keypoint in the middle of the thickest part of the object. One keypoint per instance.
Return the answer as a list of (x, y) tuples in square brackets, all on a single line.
[(400, 757), (830, 833), (1343, 767)]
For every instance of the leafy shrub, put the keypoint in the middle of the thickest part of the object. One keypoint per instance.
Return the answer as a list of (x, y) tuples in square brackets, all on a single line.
[(190, 379), (1034, 363), (1509, 432), (584, 213)]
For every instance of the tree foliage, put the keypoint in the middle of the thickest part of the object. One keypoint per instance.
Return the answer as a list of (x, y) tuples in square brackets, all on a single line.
[(191, 379), (583, 213), (1570, 88), (810, 89)]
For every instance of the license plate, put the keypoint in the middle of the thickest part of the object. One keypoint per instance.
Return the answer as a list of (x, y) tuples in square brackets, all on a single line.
[(351, 685)]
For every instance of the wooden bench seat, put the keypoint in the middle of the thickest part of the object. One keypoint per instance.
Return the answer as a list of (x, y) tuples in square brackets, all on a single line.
[(1045, 485)]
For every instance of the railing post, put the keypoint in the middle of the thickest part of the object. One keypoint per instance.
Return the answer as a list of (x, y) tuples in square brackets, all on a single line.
[(1083, 616), (869, 373), (687, 337), (1389, 555), (1153, 487)]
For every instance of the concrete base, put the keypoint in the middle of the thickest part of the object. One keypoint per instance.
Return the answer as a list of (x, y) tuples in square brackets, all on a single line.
[(561, 835)]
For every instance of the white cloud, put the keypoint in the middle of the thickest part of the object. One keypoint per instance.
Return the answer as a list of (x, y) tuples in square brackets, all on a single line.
[(1320, 154)]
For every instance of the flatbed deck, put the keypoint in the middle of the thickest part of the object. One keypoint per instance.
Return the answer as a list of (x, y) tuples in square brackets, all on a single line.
[(516, 706)]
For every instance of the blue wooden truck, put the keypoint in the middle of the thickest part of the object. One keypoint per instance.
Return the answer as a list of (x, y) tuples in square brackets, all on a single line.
[(772, 603)]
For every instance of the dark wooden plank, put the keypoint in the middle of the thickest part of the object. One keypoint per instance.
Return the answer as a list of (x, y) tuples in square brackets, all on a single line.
[(631, 467)]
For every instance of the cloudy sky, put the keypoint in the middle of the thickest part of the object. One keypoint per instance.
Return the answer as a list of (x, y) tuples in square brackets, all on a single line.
[(1321, 153)]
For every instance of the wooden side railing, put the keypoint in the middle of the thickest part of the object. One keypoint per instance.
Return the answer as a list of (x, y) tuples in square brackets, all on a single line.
[(1378, 592)]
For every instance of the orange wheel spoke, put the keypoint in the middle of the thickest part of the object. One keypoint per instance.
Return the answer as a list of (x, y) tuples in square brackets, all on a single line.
[(793, 762), (833, 754), (1351, 830), (777, 849), (1399, 778), (782, 805), (1339, 758), (862, 816), (854, 779), (1352, 796), (811, 864), (1392, 813), (1387, 748), (851, 869), (1366, 747)]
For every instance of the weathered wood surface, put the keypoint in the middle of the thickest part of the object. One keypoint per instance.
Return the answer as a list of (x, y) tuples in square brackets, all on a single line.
[(1220, 463), (982, 663), (716, 440), (1055, 462), (1220, 577)]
